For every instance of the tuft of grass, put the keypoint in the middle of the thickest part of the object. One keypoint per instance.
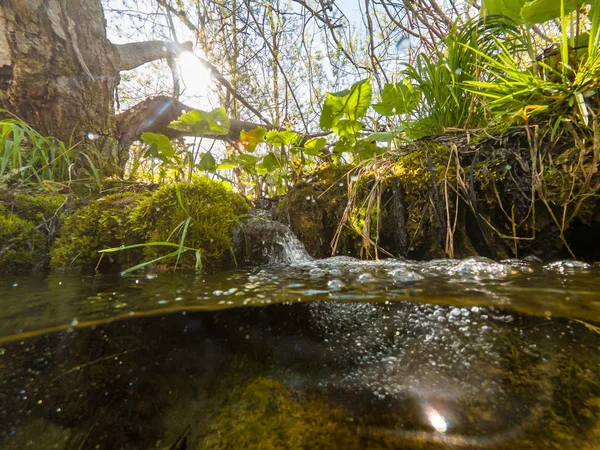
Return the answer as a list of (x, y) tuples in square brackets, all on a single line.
[(26, 155)]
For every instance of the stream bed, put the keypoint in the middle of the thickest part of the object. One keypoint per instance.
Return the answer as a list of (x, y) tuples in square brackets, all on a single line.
[(334, 353)]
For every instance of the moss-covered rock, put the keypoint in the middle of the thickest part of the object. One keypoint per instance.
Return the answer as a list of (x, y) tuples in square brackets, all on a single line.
[(28, 224), (101, 224), (265, 414), (199, 215), (208, 208), (456, 196), (314, 209)]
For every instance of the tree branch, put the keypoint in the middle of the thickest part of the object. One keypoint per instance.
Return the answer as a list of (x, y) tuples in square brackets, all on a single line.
[(155, 114), (134, 54)]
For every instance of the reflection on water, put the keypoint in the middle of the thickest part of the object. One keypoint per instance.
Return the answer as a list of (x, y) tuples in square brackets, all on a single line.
[(326, 354)]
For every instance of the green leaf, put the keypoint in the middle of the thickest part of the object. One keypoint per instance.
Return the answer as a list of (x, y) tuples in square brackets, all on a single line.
[(387, 136), (227, 164), (347, 128), (250, 139), (202, 123), (508, 8), (286, 137), (538, 11), (161, 143), (384, 109), (261, 169), (246, 161), (314, 146), (351, 104), (207, 162), (366, 149), (398, 98), (270, 162)]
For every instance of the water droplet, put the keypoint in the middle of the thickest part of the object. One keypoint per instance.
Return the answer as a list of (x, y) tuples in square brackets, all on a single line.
[(74, 322), (92, 136), (366, 278), (335, 284), (403, 44)]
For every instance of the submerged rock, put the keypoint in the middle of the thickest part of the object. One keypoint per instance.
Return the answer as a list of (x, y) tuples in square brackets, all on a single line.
[(265, 414)]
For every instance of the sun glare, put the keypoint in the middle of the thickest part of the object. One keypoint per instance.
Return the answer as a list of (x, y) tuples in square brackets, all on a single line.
[(196, 77)]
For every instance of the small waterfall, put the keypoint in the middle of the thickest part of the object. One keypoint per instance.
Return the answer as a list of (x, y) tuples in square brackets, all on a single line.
[(260, 241)]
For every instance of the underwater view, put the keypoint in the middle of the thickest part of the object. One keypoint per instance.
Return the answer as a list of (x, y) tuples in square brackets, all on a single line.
[(333, 353)]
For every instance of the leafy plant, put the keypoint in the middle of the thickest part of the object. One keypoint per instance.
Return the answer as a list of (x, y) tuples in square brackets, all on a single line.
[(440, 78), (27, 155), (535, 11), (560, 92)]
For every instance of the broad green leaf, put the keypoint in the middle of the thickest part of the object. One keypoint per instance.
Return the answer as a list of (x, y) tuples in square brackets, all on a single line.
[(402, 96), (347, 128), (508, 8), (246, 161), (387, 136), (161, 143), (366, 149), (286, 137), (538, 11), (384, 109), (261, 169), (314, 146), (202, 123), (207, 162), (226, 164), (250, 139), (270, 162), (351, 104)]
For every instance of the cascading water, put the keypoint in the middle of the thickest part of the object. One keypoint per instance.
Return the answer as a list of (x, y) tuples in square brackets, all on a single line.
[(263, 241)]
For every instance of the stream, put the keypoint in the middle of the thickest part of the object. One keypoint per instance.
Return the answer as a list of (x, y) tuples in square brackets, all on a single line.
[(334, 353)]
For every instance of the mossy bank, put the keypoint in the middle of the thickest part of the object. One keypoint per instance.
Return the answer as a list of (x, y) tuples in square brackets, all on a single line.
[(516, 194), (58, 231)]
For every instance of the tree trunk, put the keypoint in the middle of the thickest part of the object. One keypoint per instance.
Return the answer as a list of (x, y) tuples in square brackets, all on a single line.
[(58, 71)]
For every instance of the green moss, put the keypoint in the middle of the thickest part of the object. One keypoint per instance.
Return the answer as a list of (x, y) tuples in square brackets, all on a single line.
[(126, 219), (265, 414), (102, 224), (22, 245), (213, 213), (38, 207)]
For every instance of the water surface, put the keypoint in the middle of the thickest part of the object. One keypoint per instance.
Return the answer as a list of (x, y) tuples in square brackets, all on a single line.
[(335, 353)]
